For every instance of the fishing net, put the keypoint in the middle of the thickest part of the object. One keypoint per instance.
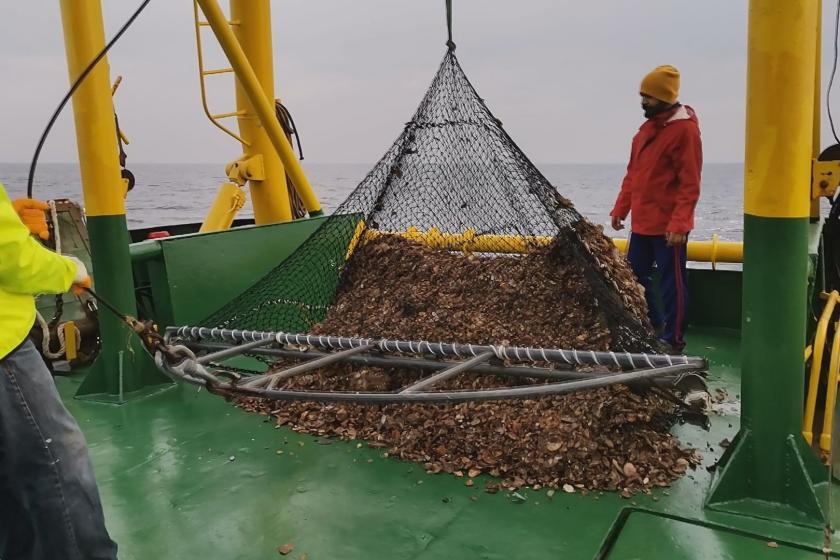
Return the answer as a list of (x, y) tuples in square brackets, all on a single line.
[(456, 183)]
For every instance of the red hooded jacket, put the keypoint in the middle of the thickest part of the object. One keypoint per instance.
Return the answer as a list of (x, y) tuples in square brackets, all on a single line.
[(662, 184)]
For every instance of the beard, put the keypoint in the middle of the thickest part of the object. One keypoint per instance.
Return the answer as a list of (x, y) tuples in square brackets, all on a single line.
[(658, 109)]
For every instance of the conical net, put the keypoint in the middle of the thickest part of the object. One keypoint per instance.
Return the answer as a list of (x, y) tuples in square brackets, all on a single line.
[(453, 182)]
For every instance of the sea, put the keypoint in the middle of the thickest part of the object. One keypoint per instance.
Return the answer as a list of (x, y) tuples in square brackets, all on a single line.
[(181, 193)]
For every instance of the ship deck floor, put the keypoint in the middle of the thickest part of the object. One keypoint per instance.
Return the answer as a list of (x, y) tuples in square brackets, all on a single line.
[(183, 474)]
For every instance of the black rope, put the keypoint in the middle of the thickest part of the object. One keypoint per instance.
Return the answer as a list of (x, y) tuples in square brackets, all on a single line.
[(833, 72), (450, 44), (288, 124), (72, 90)]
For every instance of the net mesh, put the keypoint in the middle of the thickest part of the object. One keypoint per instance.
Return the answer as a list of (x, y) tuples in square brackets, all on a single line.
[(453, 175)]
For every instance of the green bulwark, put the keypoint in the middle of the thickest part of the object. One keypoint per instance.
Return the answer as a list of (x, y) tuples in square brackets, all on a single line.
[(190, 276)]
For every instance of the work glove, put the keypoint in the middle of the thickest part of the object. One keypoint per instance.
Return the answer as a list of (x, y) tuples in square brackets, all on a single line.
[(82, 279), (31, 213)]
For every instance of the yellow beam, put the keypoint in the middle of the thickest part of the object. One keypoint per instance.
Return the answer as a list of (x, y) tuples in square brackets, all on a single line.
[(262, 106), (217, 71), (776, 181), (270, 195), (93, 109), (229, 201), (226, 115)]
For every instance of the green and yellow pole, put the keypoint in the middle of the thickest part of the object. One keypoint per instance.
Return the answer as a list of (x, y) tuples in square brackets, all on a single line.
[(122, 367), (250, 89), (769, 471)]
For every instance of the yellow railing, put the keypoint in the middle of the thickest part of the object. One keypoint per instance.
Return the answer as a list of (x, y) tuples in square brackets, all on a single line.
[(815, 352), (203, 73), (713, 251), (831, 392)]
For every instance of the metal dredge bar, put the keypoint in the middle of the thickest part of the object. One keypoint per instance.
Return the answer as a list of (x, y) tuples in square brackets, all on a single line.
[(273, 378), (411, 363), (528, 391), (443, 349), (667, 381), (191, 372), (231, 351), (427, 382)]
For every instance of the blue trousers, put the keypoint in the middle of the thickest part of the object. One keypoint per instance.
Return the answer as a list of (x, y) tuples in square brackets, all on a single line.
[(643, 253), (49, 503)]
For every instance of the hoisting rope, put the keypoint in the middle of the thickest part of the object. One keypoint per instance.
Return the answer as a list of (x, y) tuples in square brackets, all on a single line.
[(72, 90), (450, 44), (287, 122)]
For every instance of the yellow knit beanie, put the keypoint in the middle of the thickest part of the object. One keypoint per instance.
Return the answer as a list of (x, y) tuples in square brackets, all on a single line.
[(663, 83)]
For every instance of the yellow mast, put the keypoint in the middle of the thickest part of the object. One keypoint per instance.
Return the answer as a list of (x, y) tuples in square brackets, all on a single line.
[(267, 150)]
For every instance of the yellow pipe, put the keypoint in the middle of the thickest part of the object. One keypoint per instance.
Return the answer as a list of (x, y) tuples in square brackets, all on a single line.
[(713, 251), (93, 109), (816, 365), (229, 201), (270, 195), (262, 106), (831, 392)]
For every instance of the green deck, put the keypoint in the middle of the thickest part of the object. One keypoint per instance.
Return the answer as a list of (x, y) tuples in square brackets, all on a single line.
[(185, 475)]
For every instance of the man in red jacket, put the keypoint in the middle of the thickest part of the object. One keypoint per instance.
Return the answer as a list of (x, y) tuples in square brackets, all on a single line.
[(660, 191)]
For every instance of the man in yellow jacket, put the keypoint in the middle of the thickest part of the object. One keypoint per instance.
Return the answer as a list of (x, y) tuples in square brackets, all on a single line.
[(49, 503)]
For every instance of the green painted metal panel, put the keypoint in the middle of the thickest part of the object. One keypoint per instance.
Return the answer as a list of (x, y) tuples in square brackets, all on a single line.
[(199, 273), (714, 298)]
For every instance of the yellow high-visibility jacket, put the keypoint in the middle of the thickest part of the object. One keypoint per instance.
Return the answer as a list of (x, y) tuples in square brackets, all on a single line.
[(27, 268)]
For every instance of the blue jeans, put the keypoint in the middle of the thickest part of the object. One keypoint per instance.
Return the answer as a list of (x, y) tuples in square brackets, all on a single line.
[(49, 503), (644, 251)]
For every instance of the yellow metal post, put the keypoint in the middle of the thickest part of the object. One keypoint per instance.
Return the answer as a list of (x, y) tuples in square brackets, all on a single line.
[(817, 128), (93, 109), (261, 105), (122, 366), (253, 30)]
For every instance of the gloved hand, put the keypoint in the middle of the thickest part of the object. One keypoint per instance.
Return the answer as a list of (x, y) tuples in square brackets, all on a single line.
[(31, 213), (82, 279)]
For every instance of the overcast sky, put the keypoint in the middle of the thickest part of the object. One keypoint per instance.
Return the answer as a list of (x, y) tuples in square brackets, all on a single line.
[(562, 75)]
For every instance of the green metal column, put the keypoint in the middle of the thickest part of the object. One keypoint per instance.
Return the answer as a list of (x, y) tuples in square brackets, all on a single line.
[(123, 366), (769, 471)]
